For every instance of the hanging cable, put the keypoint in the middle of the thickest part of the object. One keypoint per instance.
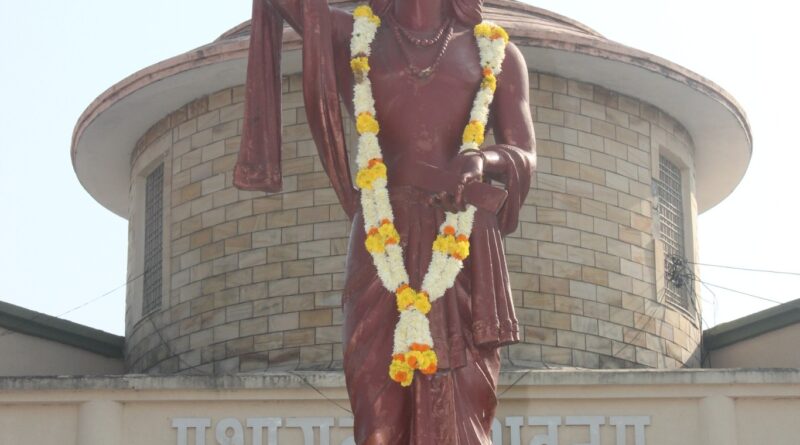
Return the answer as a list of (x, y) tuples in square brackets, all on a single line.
[(738, 292), (81, 306), (746, 269)]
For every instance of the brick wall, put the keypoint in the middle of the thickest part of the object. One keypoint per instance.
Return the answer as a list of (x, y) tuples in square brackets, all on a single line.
[(254, 281)]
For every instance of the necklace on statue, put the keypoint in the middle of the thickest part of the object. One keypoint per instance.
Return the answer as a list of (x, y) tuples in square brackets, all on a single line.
[(422, 42), (413, 345), (401, 34)]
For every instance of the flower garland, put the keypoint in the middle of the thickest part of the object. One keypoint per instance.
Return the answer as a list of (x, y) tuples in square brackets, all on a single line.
[(413, 344)]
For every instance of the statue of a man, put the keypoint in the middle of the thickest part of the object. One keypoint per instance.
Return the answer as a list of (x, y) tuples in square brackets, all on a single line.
[(425, 72)]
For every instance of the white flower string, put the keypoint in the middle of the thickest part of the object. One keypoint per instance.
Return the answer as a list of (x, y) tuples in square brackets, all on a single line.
[(413, 344)]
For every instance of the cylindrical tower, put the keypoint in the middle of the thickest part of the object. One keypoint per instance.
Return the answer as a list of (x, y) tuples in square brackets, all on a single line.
[(631, 148)]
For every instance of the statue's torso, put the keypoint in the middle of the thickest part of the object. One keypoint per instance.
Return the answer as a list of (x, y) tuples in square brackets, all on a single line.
[(420, 119)]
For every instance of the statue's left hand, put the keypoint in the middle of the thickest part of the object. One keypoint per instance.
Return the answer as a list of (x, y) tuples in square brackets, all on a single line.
[(469, 166)]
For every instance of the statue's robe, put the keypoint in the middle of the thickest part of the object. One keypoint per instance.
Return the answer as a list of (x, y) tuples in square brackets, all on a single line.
[(473, 319)]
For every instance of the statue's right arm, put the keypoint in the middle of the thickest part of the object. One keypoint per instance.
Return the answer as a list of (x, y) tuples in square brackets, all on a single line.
[(292, 12)]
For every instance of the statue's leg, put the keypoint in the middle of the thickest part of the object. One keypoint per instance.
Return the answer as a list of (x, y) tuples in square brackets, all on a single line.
[(457, 406)]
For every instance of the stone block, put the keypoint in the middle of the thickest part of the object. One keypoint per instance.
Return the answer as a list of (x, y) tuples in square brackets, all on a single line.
[(555, 320), (570, 271), (315, 318), (282, 253), (298, 302), (621, 316), (317, 283), (521, 353), (552, 251), (283, 287), (328, 334), (609, 330), (301, 268), (282, 219), (226, 332), (536, 300), (585, 359), (539, 335), (300, 337), (313, 249), (556, 356), (284, 322), (267, 272), (584, 325)]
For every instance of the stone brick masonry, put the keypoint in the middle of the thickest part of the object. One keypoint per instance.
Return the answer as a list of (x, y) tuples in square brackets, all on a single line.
[(255, 281)]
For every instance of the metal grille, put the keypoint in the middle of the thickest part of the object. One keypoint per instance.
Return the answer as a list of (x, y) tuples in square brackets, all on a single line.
[(670, 212), (153, 214)]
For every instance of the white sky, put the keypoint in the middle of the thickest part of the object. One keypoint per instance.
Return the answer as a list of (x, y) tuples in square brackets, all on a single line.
[(61, 249)]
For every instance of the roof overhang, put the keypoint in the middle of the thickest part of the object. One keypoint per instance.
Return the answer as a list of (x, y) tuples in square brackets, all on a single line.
[(107, 132)]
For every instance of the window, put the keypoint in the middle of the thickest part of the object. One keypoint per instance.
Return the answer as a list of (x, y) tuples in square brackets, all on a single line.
[(679, 283), (153, 229)]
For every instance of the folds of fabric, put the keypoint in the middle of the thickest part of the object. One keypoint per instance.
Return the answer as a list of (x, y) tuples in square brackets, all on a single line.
[(259, 163), (258, 166), (321, 97), (495, 324)]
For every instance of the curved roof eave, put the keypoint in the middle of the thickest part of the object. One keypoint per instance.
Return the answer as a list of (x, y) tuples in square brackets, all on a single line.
[(108, 130)]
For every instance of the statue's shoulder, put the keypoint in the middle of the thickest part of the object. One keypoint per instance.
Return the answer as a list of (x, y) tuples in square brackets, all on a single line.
[(515, 69)]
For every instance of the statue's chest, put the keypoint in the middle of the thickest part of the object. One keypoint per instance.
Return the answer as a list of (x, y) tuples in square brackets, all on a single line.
[(443, 96)]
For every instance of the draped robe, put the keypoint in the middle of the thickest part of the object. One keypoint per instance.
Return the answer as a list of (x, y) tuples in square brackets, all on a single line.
[(469, 323)]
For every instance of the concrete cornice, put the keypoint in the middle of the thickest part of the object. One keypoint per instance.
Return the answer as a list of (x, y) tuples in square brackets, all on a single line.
[(333, 379)]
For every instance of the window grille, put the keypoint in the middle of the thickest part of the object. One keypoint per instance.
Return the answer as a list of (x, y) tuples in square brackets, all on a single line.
[(678, 292), (153, 229)]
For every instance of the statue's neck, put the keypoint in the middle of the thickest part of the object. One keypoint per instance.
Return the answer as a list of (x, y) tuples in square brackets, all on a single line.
[(421, 15)]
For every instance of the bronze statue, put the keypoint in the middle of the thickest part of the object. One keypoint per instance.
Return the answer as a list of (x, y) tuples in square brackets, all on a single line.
[(425, 72)]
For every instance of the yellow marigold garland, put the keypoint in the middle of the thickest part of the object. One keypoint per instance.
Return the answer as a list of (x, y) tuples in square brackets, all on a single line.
[(366, 123), (413, 349), (474, 133)]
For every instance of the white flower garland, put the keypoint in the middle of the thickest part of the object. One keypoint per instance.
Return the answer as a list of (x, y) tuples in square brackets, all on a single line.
[(413, 344)]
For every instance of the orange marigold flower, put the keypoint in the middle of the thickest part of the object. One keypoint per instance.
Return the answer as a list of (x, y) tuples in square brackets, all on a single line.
[(462, 237), (420, 347), (449, 230), (374, 161), (499, 33), (430, 369)]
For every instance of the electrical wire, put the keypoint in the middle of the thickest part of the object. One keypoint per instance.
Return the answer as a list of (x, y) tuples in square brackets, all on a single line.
[(746, 269), (738, 292), (80, 306)]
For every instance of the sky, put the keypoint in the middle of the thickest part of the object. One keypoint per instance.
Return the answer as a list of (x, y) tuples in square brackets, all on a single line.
[(63, 254)]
